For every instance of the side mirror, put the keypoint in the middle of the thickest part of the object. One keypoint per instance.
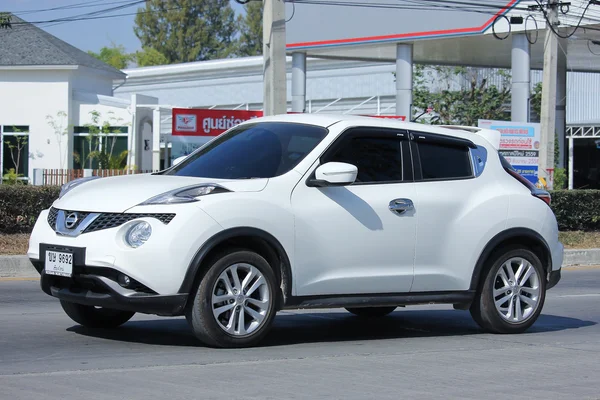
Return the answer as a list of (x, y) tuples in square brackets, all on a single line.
[(334, 174), (178, 160)]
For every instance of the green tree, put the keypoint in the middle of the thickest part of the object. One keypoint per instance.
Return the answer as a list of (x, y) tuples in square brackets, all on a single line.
[(114, 55), (101, 143), (536, 99), (5, 20), (187, 30), (15, 149), (148, 57), (250, 42), (60, 128), (464, 95)]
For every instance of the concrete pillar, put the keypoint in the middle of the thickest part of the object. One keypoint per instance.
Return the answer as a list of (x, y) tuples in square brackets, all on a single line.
[(156, 139), (571, 150), (520, 60), (561, 100), (298, 82), (404, 80)]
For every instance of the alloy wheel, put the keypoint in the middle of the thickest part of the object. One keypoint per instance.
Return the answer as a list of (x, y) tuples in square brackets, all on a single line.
[(516, 290), (240, 299)]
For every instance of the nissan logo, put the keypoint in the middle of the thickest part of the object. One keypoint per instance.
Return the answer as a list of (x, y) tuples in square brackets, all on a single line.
[(71, 220)]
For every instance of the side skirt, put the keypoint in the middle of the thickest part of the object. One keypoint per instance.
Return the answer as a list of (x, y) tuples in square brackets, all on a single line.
[(380, 300)]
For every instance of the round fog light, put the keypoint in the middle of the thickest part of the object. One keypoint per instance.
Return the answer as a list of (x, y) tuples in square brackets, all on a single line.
[(138, 234), (124, 280)]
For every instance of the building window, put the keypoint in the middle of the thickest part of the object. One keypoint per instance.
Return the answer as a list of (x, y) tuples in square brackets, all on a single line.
[(94, 150), (15, 149)]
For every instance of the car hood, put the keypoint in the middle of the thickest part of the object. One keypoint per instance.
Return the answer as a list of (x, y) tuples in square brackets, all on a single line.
[(119, 193)]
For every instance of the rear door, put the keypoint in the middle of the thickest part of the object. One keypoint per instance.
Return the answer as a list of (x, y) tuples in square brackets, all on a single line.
[(446, 190)]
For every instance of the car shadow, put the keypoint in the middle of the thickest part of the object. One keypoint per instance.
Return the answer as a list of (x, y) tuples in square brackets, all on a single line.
[(314, 327)]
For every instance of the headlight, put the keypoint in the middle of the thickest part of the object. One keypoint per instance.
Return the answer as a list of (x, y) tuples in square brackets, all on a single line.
[(76, 182), (138, 234), (185, 195)]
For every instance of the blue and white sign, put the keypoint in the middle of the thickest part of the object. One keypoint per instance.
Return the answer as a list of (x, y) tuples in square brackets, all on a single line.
[(519, 144)]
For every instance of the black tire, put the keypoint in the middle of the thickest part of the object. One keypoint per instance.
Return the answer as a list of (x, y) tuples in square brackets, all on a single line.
[(483, 310), (200, 314), (371, 312), (92, 317)]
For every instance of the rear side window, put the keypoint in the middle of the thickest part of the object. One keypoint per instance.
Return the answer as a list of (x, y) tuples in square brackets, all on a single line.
[(440, 161), (377, 159)]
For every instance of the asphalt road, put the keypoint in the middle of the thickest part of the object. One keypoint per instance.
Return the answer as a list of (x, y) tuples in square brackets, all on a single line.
[(415, 353)]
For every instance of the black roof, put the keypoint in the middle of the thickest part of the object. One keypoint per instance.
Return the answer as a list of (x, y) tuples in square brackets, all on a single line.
[(26, 44)]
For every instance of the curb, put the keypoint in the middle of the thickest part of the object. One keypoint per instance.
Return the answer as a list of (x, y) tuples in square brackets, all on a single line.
[(581, 257), (21, 267), (17, 267)]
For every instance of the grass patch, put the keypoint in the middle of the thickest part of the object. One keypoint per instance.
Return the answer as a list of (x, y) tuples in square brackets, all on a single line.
[(580, 239), (15, 244)]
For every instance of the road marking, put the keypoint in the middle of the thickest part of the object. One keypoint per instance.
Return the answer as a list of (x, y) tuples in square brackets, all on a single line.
[(581, 295), (18, 279)]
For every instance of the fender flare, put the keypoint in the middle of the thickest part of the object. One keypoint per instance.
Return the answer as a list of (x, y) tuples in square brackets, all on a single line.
[(194, 267), (501, 237)]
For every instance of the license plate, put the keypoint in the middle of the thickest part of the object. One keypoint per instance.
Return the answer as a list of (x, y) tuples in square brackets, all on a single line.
[(59, 263)]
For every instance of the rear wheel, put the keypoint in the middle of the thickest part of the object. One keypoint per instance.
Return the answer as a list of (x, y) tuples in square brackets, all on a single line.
[(234, 304), (95, 317), (371, 312), (511, 297)]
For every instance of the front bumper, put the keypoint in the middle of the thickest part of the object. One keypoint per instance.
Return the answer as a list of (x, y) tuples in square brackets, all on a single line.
[(160, 264), (97, 287)]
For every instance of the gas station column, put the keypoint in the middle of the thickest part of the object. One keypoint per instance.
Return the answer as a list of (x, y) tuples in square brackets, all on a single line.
[(404, 80), (298, 82), (520, 78)]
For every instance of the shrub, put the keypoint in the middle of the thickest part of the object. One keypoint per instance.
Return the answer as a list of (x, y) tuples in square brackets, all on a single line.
[(20, 206), (577, 210)]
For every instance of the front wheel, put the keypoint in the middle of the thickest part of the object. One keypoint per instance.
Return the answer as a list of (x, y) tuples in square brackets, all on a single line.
[(512, 295), (95, 317), (234, 305), (370, 312)]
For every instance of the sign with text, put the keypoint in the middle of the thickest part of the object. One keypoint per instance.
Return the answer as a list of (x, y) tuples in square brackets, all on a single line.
[(519, 144), (204, 122)]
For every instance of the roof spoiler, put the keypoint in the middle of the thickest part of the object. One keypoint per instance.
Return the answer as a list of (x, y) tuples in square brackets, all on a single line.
[(491, 135)]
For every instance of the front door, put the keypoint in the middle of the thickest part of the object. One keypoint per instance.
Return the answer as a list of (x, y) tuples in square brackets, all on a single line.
[(358, 238)]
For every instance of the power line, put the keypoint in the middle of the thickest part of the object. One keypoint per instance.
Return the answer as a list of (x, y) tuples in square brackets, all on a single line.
[(464, 6), (87, 16), (87, 4), (551, 26)]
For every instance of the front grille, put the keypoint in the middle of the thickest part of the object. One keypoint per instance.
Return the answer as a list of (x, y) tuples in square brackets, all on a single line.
[(112, 220), (106, 220), (52, 214)]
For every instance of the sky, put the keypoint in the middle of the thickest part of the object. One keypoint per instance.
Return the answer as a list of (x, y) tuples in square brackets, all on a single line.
[(89, 34)]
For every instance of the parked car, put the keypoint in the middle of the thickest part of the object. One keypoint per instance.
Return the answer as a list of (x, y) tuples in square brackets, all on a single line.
[(305, 211)]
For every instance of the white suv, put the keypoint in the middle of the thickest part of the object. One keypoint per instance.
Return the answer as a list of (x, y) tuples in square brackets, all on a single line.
[(305, 211)]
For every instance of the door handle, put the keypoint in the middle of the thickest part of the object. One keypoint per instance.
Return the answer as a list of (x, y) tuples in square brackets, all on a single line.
[(400, 206)]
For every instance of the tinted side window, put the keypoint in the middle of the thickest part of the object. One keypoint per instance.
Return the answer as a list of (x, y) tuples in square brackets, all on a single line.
[(377, 159), (444, 162)]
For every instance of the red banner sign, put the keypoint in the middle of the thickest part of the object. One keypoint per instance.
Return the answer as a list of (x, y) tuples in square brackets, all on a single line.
[(204, 122)]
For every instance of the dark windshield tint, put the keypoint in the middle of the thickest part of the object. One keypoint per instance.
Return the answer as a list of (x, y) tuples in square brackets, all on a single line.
[(262, 150)]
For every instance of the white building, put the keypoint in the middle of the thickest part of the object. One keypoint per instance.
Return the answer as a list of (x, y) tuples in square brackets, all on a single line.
[(44, 80)]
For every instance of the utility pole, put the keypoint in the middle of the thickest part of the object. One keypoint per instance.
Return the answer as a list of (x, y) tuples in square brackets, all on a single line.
[(548, 122), (274, 67)]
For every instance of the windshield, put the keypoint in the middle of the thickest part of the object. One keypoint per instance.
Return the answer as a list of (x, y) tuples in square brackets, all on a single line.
[(261, 150)]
